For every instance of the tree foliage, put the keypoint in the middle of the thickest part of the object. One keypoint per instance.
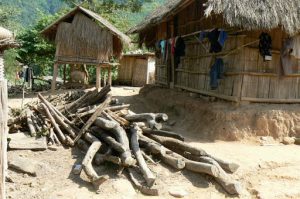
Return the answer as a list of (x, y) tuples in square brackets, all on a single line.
[(35, 51)]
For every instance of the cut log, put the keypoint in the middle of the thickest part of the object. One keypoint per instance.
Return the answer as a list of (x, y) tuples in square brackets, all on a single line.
[(148, 175), (66, 120), (153, 120), (229, 167), (212, 168), (163, 133), (90, 98), (58, 119), (99, 158), (175, 162), (121, 137), (177, 145), (151, 146), (37, 127), (30, 123), (99, 133), (92, 119), (64, 139), (143, 189), (54, 137), (88, 167), (121, 120)]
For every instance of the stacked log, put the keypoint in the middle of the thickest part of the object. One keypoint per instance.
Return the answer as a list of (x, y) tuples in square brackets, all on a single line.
[(95, 120)]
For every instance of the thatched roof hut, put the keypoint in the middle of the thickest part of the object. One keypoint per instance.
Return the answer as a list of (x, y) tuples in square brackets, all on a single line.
[(82, 36), (242, 14), (260, 54)]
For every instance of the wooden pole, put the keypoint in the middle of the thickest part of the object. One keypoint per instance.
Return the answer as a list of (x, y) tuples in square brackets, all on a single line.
[(3, 129), (109, 76), (55, 74), (65, 71), (98, 77)]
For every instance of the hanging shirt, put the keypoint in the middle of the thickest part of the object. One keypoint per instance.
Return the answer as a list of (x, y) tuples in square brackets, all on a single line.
[(265, 45), (216, 38), (295, 45)]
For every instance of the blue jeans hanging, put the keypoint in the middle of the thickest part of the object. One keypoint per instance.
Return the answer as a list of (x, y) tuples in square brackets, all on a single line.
[(216, 73)]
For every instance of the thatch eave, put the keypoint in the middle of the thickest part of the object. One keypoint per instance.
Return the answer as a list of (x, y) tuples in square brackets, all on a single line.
[(244, 14)]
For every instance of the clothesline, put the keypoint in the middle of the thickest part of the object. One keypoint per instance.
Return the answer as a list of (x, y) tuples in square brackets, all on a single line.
[(198, 32)]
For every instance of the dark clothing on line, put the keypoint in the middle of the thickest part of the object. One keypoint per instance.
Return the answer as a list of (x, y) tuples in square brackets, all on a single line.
[(216, 73)]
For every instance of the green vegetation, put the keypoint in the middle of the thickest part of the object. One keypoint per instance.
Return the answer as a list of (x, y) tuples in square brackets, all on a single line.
[(28, 18)]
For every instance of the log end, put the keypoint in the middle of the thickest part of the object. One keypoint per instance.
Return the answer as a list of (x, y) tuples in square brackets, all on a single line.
[(233, 167), (99, 181), (129, 161)]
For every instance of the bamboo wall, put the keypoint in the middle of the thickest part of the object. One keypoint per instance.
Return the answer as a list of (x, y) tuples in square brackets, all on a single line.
[(247, 76), (134, 70)]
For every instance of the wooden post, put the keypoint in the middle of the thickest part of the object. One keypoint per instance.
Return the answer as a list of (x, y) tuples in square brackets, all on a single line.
[(98, 77), (109, 75), (3, 129), (55, 74), (65, 71)]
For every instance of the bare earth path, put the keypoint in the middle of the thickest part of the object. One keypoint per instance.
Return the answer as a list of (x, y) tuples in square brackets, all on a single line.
[(266, 172)]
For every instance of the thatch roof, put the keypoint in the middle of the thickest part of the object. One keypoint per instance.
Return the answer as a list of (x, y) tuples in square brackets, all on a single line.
[(51, 30), (245, 14), (7, 39), (258, 14), (158, 15)]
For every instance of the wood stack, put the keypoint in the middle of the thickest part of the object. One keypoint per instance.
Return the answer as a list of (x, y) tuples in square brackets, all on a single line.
[(109, 131)]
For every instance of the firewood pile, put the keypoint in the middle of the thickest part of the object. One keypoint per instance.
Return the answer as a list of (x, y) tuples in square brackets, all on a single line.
[(109, 132)]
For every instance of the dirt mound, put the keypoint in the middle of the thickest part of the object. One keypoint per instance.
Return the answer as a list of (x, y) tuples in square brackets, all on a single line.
[(221, 120)]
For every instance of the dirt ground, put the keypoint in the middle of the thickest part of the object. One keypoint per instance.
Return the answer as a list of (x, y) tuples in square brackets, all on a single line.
[(225, 130)]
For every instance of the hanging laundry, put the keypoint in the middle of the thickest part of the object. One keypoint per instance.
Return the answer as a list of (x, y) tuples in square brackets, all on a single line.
[(158, 49), (222, 37), (179, 50), (216, 38), (289, 61), (265, 45), (216, 73), (295, 45), (163, 44)]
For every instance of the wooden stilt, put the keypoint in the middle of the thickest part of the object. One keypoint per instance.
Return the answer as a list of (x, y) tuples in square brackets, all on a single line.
[(55, 74), (98, 77), (109, 76), (65, 71)]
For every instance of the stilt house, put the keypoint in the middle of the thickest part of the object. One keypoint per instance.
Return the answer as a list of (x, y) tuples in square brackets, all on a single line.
[(235, 50), (82, 37)]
